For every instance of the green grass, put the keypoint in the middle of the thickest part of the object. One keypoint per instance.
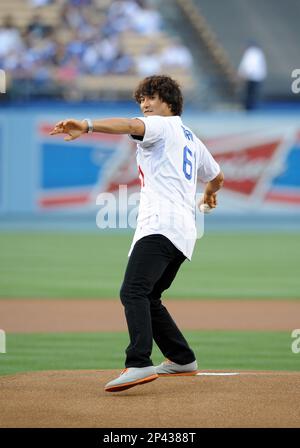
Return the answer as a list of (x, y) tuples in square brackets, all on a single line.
[(214, 350), (53, 265)]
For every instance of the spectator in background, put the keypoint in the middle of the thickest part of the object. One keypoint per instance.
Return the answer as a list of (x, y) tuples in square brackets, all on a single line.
[(72, 17), (147, 20), (60, 55), (76, 46), (81, 2), (68, 71), (37, 27), (176, 55), (123, 63), (253, 71), (123, 10), (39, 3), (100, 55), (10, 37), (149, 63), (120, 15)]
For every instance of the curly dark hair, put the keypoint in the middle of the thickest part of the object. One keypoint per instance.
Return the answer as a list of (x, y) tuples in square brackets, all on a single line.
[(167, 89)]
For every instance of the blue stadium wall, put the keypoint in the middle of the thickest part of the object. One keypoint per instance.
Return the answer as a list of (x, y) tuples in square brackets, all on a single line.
[(42, 175)]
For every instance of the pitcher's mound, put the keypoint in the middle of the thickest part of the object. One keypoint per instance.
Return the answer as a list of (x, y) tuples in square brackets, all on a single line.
[(77, 399)]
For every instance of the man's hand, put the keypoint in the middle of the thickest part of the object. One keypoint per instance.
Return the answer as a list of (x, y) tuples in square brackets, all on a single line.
[(210, 193), (210, 199), (74, 129)]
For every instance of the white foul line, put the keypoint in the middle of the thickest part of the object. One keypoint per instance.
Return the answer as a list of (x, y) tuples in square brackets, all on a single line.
[(217, 374)]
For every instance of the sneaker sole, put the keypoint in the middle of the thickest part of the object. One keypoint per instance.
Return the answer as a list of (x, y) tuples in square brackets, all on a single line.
[(125, 386), (194, 372)]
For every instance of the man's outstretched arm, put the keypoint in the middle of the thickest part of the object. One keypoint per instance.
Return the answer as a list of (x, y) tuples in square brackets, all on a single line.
[(75, 128)]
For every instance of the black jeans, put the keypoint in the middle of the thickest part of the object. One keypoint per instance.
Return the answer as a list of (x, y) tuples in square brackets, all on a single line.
[(152, 266)]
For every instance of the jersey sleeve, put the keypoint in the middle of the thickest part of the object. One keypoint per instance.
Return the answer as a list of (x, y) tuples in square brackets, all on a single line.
[(208, 168), (154, 131)]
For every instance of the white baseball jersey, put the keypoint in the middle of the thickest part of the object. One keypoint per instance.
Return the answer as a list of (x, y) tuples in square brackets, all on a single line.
[(169, 157)]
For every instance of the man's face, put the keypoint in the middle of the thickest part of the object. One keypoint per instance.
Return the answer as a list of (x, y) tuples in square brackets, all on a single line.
[(153, 105)]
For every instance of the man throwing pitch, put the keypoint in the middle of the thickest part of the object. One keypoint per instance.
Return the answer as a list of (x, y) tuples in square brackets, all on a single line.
[(169, 158)]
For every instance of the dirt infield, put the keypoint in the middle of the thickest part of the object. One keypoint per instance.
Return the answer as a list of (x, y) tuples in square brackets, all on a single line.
[(42, 315), (77, 399)]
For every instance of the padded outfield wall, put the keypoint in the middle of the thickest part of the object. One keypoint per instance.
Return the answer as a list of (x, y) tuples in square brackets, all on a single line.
[(42, 175)]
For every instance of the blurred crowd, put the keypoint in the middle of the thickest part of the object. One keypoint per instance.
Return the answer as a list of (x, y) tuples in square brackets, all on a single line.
[(42, 59)]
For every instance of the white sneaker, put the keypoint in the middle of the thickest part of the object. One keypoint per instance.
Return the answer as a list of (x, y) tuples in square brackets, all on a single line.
[(130, 377), (169, 368)]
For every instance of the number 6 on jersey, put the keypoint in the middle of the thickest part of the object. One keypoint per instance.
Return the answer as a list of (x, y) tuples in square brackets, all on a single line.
[(187, 163)]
